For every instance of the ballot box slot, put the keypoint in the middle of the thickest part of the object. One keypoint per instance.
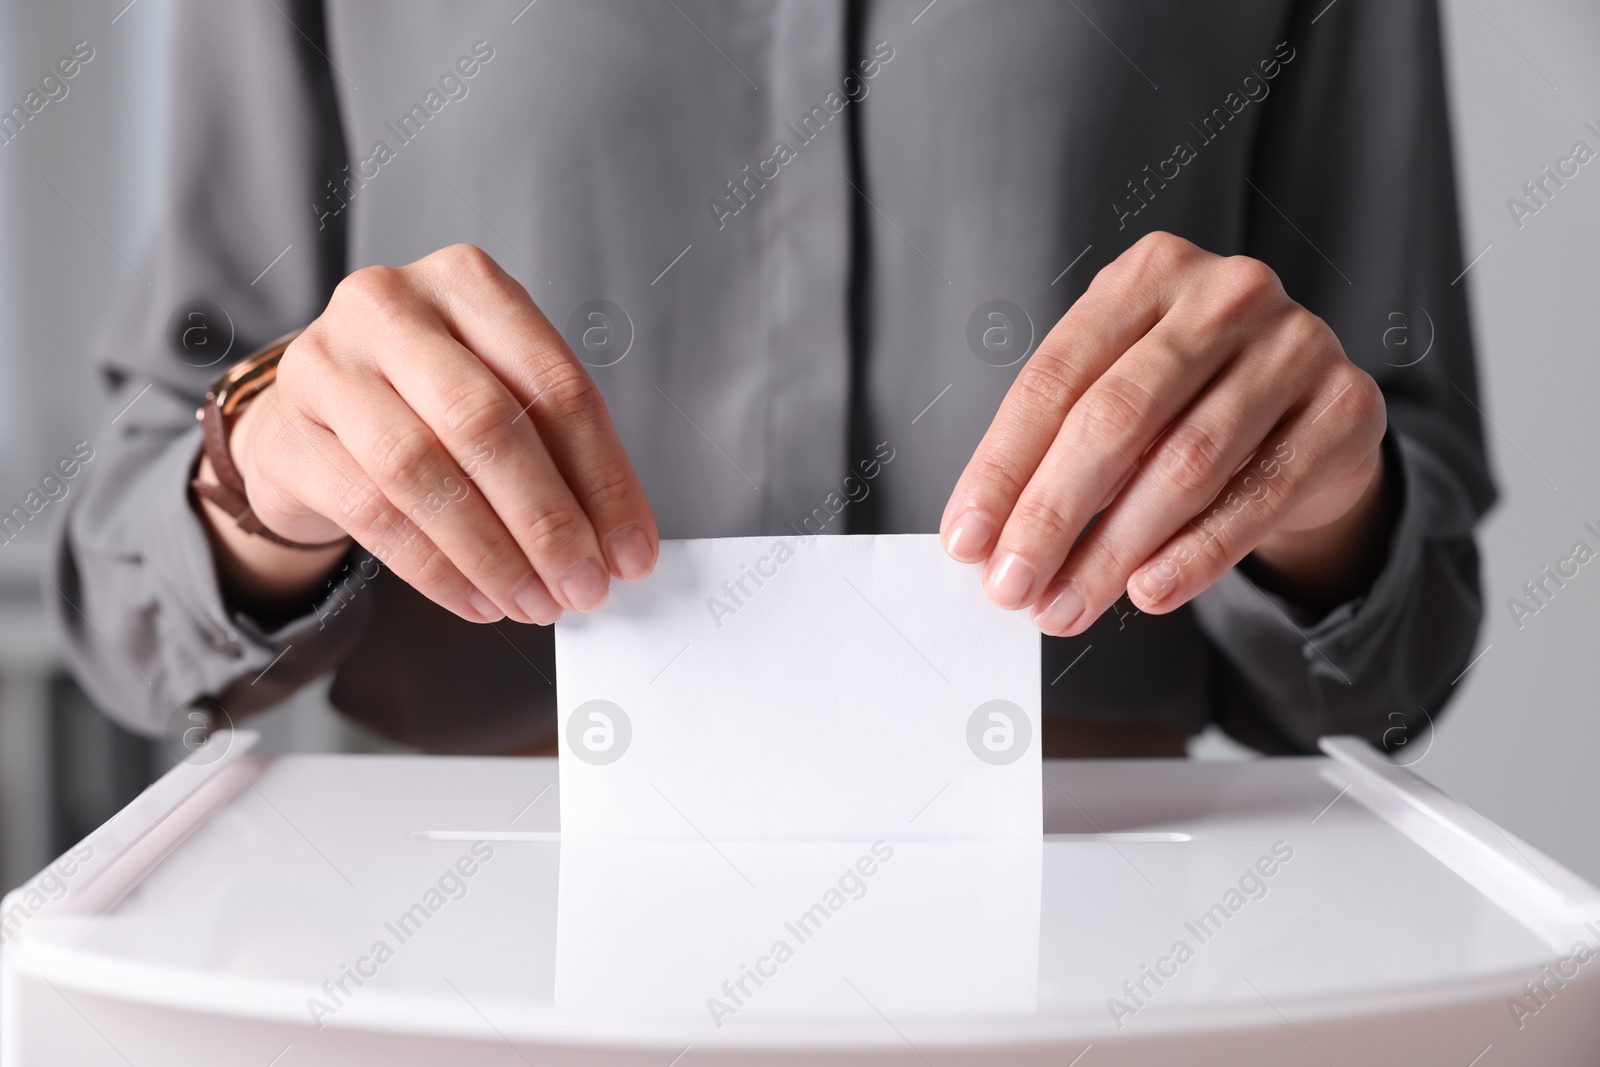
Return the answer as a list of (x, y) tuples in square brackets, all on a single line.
[(494, 836), (1131, 837)]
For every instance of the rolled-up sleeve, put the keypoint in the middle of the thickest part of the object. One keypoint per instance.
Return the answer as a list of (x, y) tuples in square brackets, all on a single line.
[(252, 129), (1352, 201)]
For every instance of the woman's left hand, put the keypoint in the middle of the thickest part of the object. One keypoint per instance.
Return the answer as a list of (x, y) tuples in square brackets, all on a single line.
[(1205, 416)]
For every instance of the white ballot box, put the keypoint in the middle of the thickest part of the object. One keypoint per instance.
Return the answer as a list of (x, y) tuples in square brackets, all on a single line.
[(424, 910)]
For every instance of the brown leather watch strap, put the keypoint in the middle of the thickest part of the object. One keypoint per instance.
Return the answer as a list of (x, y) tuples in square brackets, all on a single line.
[(225, 399)]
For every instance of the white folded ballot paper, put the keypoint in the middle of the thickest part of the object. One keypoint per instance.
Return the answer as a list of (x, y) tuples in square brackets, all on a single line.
[(800, 689)]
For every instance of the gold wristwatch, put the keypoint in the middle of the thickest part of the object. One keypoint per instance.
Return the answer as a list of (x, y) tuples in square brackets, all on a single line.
[(225, 399)]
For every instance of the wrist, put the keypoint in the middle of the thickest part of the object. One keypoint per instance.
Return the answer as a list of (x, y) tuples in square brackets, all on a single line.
[(1323, 566), (257, 575)]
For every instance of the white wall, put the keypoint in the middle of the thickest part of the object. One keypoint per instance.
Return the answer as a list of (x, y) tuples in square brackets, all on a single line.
[(1522, 743), (97, 146)]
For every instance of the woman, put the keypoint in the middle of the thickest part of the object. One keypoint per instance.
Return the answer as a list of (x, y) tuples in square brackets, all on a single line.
[(1127, 279)]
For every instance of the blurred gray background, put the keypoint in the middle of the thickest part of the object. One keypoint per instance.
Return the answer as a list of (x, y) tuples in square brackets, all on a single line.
[(1521, 743)]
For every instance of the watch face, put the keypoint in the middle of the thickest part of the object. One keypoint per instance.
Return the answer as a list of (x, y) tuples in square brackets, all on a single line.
[(241, 381), (200, 333)]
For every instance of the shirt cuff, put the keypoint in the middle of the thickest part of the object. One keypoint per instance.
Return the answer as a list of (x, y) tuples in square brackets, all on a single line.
[(215, 654), (1340, 643)]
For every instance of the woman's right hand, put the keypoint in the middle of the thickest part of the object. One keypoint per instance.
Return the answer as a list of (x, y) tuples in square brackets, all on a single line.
[(433, 414)]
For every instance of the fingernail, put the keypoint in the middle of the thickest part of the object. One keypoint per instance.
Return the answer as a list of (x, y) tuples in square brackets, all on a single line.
[(536, 601), (585, 586), (485, 607), (1064, 609), (970, 536), (1157, 580), (629, 550), (1011, 582)]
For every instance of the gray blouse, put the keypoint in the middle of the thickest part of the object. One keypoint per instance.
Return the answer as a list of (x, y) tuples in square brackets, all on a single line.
[(778, 231)]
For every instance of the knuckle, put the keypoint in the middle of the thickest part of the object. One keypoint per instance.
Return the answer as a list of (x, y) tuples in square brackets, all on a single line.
[(1247, 281), (1155, 245), (1302, 332), (310, 349), (495, 556), (1367, 401), (1104, 564), (399, 456), (375, 286), (480, 411), (292, 403), (265, 489), (1113, 411), (553, 532), (1370, 398), (1158, 252), (470, 257), (364, 507), (1045, 383), (471, 267), (609, 485), (274, 438), (1212, 534), (1189, 458), (1209, 550), (997, 475), (1043, 520), (307, 372), (433, 568), (569, 392)]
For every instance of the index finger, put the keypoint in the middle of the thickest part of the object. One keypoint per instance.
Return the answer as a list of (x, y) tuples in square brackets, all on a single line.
[(1122, 304), (493, 315)]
